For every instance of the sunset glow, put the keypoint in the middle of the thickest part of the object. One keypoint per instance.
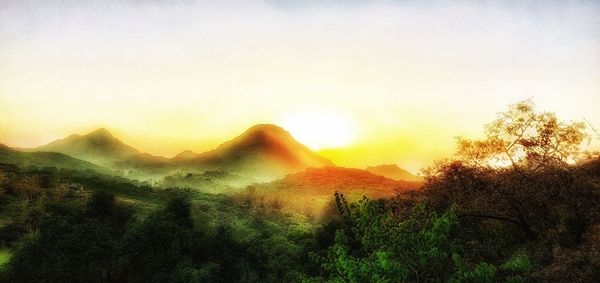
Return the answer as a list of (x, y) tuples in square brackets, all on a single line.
[(299, 141), (191, 74), (321, 130)]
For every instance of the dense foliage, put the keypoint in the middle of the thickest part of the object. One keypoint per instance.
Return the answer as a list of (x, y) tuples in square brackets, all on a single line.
[(376, 245)]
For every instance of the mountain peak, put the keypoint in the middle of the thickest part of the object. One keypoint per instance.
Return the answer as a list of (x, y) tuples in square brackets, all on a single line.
[(101, 132), (264, 146), (185, 155), (266, 129), (263, 137), (269, 136), (99, 146)]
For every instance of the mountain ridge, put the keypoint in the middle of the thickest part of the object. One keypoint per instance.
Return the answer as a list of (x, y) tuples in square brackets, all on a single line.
[(262, 148), (394, 172), (43, 159)]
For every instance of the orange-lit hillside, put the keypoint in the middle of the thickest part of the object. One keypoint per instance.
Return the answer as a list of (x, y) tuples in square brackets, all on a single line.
[(327, 180)]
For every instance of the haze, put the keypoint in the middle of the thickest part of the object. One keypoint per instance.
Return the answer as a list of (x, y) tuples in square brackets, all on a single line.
[(402, 78)]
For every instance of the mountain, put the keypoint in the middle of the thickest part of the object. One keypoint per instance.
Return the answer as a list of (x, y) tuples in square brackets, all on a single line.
[(326, 180), (45, 159), (99, 147), (392, 171), (185, 155), (4, 147), (263, 148)]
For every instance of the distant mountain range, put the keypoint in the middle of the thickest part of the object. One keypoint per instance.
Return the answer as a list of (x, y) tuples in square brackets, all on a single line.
[(264, 152), (263, 149), (392, 171)]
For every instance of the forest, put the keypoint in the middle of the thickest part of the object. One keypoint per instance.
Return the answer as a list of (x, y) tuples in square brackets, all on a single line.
[(522, 204)]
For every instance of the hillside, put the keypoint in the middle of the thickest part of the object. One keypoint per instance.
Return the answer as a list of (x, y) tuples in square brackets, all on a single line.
[(325, 181), (44, 159), (392, 171)]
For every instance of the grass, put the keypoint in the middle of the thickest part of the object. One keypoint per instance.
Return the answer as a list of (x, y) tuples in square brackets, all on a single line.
[(4, 256)]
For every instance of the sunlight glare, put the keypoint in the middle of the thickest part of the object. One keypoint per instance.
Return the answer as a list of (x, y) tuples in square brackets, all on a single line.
[(320, 130)]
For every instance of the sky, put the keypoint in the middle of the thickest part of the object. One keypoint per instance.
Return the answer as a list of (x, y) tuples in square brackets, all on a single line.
[(362, 82)]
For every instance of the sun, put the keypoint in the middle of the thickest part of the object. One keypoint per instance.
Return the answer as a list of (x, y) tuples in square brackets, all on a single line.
[(321, 130)]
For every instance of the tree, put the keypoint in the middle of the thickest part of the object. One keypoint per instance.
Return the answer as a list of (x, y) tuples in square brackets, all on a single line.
[(376, 245), (518, 173), (156, 246), (524, 139), (526, 184), (3, 180), (75, 243)]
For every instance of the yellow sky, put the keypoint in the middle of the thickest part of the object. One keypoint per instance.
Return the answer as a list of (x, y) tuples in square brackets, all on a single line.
[(405, 78)]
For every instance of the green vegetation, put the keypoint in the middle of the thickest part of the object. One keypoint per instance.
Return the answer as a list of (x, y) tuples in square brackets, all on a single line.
[(212, 181), (536, 218), (375, 246), (4, 256), (45, 160)]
